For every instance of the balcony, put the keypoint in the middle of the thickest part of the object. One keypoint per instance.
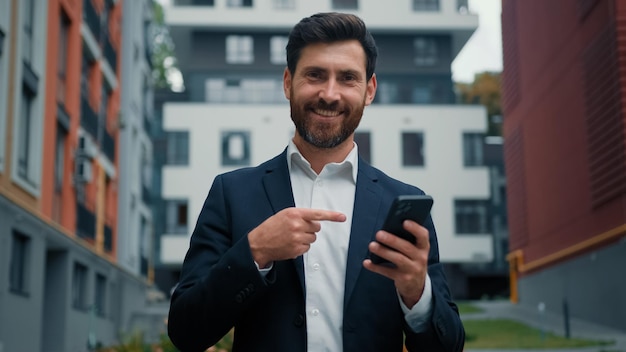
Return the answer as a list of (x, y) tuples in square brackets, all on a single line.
[(108, 145), (91, 17), (88, 118), (110, 54)]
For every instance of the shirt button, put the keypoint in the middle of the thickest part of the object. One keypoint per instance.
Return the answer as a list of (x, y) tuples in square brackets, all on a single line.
[(320, 183), (316, 266), (315, 312)]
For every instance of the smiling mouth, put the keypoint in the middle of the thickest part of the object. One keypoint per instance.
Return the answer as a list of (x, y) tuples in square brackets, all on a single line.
[(327, 113)]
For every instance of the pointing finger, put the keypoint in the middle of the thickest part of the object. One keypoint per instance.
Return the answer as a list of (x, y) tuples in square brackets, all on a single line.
[(321, 214)]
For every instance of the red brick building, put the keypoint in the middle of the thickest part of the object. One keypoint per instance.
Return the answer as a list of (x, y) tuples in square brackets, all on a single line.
[(564, 89)]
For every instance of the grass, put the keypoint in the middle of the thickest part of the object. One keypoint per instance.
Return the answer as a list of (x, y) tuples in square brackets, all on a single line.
[(505, 333), (468, 308)]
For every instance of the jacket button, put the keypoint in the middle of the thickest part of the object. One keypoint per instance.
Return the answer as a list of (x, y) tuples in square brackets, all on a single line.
[(239, 298), (299, 320)]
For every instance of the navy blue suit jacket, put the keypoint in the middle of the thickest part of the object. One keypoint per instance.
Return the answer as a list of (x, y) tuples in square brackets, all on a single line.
[(221, 288)]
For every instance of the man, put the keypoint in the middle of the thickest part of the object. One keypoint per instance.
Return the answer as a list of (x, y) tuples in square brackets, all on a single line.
[(280, 251)]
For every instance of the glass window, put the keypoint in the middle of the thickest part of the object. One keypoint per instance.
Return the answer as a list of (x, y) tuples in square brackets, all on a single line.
[(176, 216), (100, 295), (239, 49), (425, 51), (64, 28), (235, 148), (203, 2), (79, 286), (177, 148), (284, 4), (421, 95), (345, 4), (363, 142), (239, 3), (473, 149), (18, 271), (412, 149), (425, 5), (471, 216), (278, 54), (28, 21), (25, 169)]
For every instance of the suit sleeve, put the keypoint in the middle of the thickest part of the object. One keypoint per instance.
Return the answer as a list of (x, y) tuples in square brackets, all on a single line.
[(445, 330), (218, 279)]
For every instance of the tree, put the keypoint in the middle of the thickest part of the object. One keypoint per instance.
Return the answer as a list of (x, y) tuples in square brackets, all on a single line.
[(165, 72), (485, 90)]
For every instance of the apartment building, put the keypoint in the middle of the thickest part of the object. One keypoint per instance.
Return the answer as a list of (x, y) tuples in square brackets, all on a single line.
[(234, 114), (563, 98), (62, 287)]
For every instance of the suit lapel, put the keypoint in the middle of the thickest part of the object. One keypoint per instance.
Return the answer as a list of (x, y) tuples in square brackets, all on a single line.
[(366, 212), (277, 185)]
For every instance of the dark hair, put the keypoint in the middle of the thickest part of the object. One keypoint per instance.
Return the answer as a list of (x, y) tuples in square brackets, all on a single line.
[(327, 28)]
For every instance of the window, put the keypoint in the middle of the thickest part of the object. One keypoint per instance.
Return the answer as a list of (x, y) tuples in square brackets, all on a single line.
[(239, 49), (235, 148), (28, 21), (1, 42), (239, 3), (473, 149), (20, 256), (345, 4), (425, 5), (387, 93), (177, 148), (64, 28), (79, 286), (100, 295), (284, 4), (362, 140), (252, 91), (59, 163), (412, 149), (203, 2), (144, 245), (471, 216), (421, 95), (25, 139), (146, 167), (278, 54), (425, 51), (176, 216)]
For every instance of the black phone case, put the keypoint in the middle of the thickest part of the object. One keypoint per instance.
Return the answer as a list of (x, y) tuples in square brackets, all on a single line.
[(411, 207)]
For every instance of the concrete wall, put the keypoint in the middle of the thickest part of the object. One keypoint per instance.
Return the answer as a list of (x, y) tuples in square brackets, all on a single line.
[(594, 286)]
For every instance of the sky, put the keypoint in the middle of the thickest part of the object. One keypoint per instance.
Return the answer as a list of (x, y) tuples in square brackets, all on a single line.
[(483, 51)]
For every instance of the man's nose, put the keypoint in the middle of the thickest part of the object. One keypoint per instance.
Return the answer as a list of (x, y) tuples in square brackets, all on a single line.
[(330, 91)]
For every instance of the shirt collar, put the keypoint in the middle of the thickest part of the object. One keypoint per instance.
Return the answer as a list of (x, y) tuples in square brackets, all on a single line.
[(295, 157)]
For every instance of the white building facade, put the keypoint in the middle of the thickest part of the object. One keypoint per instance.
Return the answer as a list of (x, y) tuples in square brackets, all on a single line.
[(231, 54)]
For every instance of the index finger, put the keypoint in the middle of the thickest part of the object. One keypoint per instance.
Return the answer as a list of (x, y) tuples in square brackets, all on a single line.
[(322, 214)]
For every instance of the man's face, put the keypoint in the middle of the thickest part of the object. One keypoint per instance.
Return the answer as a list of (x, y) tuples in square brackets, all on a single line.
[(328, 92)]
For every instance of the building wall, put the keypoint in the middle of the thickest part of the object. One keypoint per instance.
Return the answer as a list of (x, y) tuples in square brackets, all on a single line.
[(270, 129), (564, 137)]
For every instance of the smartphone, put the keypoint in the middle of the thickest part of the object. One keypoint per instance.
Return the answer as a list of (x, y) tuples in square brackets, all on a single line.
[(406, 207)]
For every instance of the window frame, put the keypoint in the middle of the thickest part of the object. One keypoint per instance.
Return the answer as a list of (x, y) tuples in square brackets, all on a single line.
[(239, 49), (19, 266)]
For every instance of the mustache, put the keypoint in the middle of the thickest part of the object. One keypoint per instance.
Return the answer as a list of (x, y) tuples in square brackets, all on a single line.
[(322, 105)]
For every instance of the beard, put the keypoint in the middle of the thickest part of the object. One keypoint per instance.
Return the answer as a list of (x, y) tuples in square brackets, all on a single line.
[(324, 135)]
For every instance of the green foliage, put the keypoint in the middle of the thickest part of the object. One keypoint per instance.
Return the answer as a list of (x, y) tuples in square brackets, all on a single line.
[(163, 58), (486, 91)]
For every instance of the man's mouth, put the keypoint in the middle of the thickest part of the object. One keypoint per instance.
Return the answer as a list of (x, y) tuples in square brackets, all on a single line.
[(327, 113)]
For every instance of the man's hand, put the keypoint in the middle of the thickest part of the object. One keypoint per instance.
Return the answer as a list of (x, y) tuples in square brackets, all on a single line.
[(411, 261), (288, 234)]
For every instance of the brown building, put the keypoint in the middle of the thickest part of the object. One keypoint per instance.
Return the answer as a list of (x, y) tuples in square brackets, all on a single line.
[(564, 88), (61, 287)]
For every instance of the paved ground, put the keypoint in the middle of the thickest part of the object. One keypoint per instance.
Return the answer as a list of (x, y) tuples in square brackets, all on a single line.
[(550, 322)]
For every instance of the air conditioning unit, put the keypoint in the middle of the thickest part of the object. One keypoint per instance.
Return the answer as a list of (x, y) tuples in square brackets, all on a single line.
[(86, 146), (83, 170)]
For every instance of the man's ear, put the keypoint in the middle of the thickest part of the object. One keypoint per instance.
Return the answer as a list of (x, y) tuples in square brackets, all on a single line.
[(287, 83), (370, 92)]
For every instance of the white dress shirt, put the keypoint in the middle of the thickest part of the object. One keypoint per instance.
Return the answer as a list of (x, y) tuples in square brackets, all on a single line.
[(325, 262)]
